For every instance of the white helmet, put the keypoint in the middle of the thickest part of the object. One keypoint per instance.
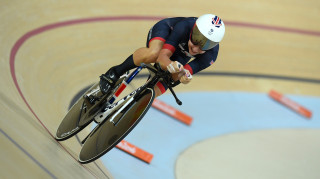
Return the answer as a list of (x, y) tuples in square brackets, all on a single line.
[(208, 31)]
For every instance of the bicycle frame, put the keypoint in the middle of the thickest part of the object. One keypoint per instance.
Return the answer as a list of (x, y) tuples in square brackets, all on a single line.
[(125, 83), (121, 117)]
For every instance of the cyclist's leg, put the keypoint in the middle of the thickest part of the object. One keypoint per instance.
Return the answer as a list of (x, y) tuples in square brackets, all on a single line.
[(145, 55), (157, 91), (160, 89), (142, 55), (156, 37), (149, 54)]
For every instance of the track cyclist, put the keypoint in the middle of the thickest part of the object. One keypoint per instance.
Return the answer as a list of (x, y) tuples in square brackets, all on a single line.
[(173, 42)]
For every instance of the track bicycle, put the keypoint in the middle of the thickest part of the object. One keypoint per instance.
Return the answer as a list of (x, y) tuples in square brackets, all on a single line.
[(114, 120)]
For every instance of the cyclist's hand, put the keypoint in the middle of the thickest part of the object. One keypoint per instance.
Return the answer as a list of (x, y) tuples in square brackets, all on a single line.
[(175, 67), (186, 78)]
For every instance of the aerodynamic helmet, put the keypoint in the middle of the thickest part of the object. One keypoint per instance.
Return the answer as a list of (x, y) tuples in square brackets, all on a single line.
[(208, 31)]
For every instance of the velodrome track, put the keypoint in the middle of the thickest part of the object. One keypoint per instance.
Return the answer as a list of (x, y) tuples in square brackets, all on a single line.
[(51, 50)]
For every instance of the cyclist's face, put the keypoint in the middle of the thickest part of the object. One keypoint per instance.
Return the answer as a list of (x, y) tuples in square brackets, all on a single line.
[(194, 49)]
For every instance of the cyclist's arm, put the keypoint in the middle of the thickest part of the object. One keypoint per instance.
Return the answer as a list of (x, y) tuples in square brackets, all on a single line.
[(164, 58), (203, 61), (179, 30)]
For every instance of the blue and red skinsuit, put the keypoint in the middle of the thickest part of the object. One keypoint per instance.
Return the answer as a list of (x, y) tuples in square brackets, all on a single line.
[(175, 32)]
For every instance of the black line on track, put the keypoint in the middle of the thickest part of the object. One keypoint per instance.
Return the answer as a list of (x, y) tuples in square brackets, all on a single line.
[(28, 154)]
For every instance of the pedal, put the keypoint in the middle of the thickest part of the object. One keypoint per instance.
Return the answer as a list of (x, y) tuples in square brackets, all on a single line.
[(93, 95)]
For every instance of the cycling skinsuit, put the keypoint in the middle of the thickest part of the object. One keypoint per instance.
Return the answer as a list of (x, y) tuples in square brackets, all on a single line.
[(175, 32)]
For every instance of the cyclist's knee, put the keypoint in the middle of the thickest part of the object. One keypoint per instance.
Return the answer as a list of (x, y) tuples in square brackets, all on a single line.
[(152, 55)]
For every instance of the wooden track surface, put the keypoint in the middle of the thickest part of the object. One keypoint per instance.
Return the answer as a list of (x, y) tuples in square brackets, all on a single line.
[(43, 67)]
